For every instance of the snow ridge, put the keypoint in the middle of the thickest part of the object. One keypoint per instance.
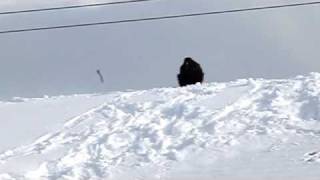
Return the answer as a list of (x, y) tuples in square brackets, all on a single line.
[(160, 127)]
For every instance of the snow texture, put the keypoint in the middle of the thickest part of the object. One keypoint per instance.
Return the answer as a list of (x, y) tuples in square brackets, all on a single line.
[(250, 128)]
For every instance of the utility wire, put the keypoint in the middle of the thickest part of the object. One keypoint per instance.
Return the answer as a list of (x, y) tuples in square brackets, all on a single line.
[(73, 7), (158, 18)]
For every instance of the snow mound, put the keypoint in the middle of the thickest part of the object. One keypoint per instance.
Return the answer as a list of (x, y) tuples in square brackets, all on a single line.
[(160, 131)]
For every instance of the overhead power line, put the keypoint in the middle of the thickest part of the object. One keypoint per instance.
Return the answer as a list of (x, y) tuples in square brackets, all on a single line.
[(158, 18), (73, 7)]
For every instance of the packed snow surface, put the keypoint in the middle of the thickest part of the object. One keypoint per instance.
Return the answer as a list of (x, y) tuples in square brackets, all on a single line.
[(246, 129)]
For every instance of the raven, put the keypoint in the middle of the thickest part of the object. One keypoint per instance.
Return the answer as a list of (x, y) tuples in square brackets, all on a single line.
[(190, 72)]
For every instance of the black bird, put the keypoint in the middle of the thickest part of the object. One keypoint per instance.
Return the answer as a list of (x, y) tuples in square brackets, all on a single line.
[(190, 72)]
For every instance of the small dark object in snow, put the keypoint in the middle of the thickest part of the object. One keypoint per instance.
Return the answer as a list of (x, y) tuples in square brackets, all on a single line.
[(312, 156), (312, 153), (190, 72)]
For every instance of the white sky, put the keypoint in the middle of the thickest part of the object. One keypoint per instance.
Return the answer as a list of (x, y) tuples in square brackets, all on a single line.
[(269, 44)]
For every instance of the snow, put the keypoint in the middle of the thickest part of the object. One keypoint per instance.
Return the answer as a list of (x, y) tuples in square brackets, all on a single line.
[(32, 115), (245, 129)]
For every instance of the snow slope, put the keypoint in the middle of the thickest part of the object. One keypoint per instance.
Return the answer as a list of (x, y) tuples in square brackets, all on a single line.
[(247, 129), (32, 115)]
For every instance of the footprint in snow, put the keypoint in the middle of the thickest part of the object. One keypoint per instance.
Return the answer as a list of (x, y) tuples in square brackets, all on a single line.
[(312, 156)]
